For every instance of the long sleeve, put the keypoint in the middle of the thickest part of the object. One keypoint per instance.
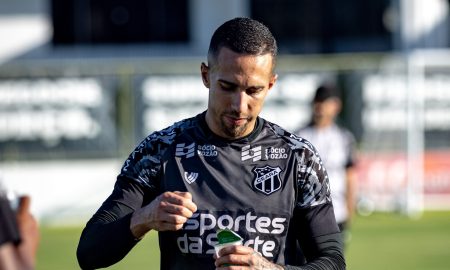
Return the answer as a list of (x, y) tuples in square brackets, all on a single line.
[(9, 231), (107, 237), (319, 239), (314, 223)]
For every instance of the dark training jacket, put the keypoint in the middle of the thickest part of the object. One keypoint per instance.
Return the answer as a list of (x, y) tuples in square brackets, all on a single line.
[(270, 187)]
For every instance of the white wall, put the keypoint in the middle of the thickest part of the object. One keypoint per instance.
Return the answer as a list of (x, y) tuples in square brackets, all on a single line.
[(62, 192)]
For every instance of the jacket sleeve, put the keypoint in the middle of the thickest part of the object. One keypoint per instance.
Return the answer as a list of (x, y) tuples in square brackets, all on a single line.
[(319, 238), (314, 222), (9, 231), (107, 237)]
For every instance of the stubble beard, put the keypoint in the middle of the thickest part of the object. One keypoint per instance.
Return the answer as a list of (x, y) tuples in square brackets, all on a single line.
[(233, 131)]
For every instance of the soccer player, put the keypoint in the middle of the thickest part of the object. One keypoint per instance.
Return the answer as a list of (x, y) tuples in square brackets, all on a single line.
[(336, 146), (224, 168)]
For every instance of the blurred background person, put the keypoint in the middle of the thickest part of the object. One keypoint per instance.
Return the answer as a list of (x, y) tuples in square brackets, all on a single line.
[(336, 146), (19, 235)]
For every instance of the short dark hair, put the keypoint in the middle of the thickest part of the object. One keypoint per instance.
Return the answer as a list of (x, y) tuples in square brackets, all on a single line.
[(243, 35), (326, 91)]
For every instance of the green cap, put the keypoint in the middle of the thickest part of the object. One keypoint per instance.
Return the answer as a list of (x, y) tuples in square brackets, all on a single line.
[(227, 236)]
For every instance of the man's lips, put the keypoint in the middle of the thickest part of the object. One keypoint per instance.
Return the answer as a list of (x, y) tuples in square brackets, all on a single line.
[(235, 121)]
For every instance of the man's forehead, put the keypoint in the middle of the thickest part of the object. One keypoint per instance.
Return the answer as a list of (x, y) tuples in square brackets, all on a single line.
[(228, 56)]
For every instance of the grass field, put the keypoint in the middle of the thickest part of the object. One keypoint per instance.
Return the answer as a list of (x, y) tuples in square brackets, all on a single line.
[(380, 241)]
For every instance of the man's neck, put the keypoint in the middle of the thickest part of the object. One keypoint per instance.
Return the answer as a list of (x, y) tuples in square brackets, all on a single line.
[(323, 124)]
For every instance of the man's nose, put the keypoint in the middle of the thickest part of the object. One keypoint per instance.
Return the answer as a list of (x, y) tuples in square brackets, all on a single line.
[(239, 101)]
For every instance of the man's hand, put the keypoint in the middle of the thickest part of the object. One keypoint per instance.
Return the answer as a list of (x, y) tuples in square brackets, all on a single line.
[(242, 257), (23, 255), (167, 212), (29, 232)]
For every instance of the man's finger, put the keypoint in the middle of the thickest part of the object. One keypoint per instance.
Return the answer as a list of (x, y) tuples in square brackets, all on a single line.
[(24, 205), (181, 198), (236, 249), (178, 210), (183, 194), (173, 219), (166, 226), (191, 206)]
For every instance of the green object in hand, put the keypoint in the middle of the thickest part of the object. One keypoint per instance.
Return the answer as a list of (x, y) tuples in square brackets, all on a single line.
[(227, 236)]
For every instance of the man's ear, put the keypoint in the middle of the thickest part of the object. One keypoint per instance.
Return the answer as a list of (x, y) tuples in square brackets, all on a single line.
[(204, 69), (337, 105), (273, 80)]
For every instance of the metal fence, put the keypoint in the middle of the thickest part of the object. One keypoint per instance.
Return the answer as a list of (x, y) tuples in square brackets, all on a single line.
[(397, 106)]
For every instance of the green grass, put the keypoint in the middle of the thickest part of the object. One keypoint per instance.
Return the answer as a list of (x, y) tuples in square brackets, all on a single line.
[(388, 241), (57, 251), (380, 241)]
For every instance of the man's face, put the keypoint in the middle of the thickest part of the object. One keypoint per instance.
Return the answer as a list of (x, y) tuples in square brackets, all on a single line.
[(325, 111), (238, 85)]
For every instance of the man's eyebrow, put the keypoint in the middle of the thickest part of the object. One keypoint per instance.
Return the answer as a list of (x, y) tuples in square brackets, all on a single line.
[(227, 82), (235, 84)]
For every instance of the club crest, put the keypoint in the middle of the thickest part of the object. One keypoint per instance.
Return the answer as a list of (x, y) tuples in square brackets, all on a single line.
[(267, 179)]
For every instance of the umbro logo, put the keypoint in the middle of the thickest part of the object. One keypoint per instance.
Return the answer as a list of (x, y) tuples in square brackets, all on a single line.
[(190, 177), (251, 153), (183, 150)]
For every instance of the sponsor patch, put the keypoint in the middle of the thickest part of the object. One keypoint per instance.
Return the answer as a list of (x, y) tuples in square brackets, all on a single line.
[(183, 150), (275, 153), (262, 232), (248, 152), (207, 150)]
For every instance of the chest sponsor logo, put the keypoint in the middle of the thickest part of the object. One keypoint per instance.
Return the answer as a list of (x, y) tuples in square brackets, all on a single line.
[(190, 177), (267, 179), (263, 232), (183, 150), (251, 153), (207, 150), (275, 153)]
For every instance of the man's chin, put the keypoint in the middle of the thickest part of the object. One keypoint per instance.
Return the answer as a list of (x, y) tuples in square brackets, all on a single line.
[(235, 132)]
